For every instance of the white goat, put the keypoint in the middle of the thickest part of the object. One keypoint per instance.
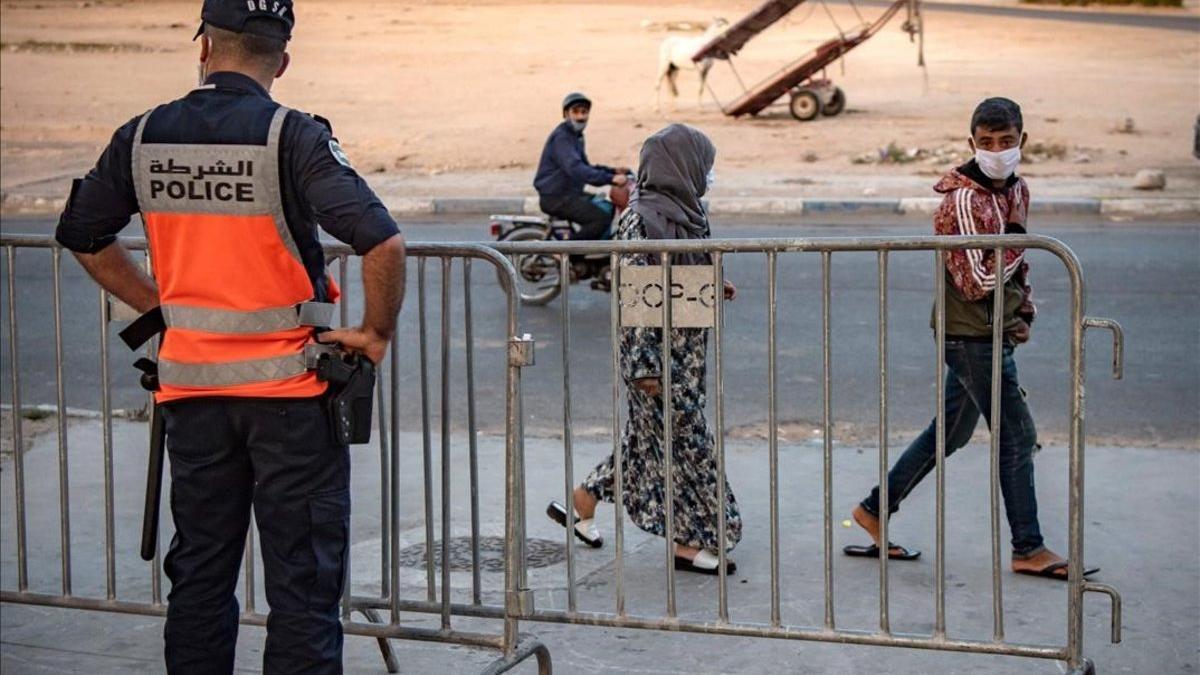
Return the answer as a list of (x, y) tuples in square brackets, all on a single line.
[(675, 54)]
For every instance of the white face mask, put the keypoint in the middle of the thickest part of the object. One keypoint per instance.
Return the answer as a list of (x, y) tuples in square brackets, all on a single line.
[(579, 126), (710, 179), (998, 165)]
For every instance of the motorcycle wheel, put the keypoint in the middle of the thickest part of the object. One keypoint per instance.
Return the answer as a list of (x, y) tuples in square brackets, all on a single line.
[(538, 277)]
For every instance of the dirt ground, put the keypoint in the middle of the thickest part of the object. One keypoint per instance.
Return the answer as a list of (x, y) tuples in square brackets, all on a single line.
[(424, 89)]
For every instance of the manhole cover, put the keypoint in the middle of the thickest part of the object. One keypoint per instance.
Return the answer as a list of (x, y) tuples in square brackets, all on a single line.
[(539, 553)]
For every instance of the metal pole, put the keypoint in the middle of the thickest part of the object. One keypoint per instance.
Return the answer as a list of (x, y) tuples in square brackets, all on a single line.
[(110, 553), (514, 572), (1075, 531), (939, 560), (445, 419), (472, 441), (520, 493), (64, 492), (18, 442), (666, 360), (393, 521), (426, 449), (384, 483), (156, 595), (736, 75), (773, 430), (885, 510), (994, 491), (719, 292), (344, 283), (614, 263), (712, 93), (564, 278), (827, 434)]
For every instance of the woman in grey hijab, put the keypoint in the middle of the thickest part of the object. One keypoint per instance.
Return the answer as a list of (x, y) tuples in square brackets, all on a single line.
[(674, 173)]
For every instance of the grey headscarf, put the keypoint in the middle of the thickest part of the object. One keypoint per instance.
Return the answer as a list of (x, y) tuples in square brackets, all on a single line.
[(672, 177)]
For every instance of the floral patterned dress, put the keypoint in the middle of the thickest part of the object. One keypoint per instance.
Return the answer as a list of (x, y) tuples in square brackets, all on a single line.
[(694, 462)]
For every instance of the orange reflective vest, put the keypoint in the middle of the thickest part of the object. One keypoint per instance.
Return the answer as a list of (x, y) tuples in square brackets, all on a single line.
[(234, 291)]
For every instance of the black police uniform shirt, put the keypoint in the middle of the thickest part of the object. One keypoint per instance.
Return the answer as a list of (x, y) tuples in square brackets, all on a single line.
[(317, 182)]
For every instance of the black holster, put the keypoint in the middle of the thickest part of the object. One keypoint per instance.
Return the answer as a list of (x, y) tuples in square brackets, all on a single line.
[(351, 394)]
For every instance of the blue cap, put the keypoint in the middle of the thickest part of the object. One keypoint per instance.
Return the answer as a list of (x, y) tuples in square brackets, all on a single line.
[(575, 98)]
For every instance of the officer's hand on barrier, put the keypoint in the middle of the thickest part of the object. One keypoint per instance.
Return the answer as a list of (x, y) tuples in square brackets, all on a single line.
[(730, 290), (358, 340)]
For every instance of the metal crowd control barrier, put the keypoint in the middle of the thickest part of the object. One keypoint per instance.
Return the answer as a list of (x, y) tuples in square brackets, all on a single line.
[(514, 647), (517, 602), (940, 638)]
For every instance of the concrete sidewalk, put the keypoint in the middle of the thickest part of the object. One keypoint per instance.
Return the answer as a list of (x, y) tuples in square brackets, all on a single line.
[(1130, 494)]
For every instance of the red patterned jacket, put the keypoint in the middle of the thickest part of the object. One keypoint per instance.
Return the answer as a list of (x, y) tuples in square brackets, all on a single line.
[(970, 206)]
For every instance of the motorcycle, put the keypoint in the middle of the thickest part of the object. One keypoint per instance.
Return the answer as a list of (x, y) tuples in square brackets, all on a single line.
[(539, 275)]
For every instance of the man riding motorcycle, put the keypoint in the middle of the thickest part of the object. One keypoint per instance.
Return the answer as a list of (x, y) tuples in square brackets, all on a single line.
[(564, 169)]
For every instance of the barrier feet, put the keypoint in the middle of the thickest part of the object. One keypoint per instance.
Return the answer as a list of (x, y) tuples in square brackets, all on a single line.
[(1086, 667), (527, 646), (385, 647)]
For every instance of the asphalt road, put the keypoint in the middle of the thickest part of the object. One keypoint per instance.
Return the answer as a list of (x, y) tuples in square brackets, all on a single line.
[(1145, 275)]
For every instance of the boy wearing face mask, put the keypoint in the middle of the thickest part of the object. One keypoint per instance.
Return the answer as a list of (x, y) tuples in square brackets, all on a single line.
[(983, 196)]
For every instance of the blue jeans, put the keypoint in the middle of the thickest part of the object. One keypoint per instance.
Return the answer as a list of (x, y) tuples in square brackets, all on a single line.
[(968, 395)]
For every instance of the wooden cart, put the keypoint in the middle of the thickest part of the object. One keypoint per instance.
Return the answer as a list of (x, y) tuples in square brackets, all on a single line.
[(810, 95)]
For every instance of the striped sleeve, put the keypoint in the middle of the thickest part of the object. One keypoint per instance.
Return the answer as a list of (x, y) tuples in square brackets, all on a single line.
[(973, 270)]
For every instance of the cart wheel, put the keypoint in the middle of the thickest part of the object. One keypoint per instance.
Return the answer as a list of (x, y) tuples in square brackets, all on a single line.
[(805, 105), (837, 103)]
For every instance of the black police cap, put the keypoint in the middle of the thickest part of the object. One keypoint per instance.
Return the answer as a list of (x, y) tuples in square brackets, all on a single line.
[(269, 18)]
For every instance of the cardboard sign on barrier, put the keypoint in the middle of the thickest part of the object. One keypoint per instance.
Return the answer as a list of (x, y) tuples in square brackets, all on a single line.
[(693, 296)]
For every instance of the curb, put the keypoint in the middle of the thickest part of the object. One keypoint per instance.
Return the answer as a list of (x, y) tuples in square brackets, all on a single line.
[(1158, 207), (41, 410), (19, 203)]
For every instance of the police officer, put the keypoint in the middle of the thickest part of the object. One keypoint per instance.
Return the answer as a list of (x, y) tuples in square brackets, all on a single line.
[(231, 187)]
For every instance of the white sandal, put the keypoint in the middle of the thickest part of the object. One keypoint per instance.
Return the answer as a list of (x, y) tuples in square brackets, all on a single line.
[(704, 563), (585, 530)]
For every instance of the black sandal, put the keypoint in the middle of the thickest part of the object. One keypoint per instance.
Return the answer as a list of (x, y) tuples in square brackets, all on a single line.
[(895, 552)]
